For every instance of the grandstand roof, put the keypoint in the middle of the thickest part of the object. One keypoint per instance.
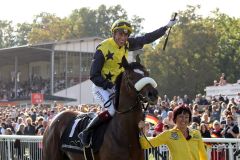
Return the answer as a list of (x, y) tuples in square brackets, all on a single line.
[(36, 52), (25, 55)]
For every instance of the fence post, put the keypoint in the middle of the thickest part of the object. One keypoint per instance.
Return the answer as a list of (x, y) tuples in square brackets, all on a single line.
[(8, 149), (230, 148)]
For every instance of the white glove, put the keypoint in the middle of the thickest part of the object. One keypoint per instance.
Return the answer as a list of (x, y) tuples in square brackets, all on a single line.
[(171, 23)]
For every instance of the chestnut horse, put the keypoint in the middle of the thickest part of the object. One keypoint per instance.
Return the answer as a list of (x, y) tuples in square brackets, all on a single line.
[(121, 139)]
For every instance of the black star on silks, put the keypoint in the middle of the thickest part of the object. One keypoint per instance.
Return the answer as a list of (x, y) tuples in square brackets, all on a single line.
[(109, 55), (120, 65), (109, 76)]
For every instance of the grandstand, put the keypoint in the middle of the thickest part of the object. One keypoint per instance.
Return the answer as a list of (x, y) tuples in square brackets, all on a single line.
[(59, 70)]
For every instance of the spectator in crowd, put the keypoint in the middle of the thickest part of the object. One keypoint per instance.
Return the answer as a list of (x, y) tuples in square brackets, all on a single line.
[(234, 113), (163, 109), (196, 116), (204, 131), (43, 128), (222, 81), (33, 114), (159, 127), (156, 112), (17, 143), (166, 99), (218, 154), (215, 83), (226, 100), (29, 128), (148, 130), (19, 121), (3, 128), (221, 98), (231, 130), (9, 124), (174, 100), (225, 113), (179, 100), (215, 114), (169, 119), (232, 101), (39, 124), (186, 99), (216, 130), (205, 119), (8, 131), (172, 105), (237, 100), (165, 127), (194, 125)]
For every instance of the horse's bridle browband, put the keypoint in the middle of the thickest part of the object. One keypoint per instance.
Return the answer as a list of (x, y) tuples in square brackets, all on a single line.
[(140, 98)]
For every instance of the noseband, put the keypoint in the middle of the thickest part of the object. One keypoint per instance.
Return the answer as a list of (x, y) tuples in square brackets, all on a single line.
[(137, 87)]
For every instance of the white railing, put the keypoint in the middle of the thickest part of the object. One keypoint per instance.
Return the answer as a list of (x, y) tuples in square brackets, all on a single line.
[(16, 147)]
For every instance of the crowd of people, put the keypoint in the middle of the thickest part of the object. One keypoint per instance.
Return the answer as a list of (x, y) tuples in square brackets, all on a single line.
[(34, 120), (30, 121), (214, 117), (36, 84)]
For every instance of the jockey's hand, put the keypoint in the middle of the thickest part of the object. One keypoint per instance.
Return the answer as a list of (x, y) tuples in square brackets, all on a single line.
[(111, 90), (141, 125), (171, 23), (108, 85)]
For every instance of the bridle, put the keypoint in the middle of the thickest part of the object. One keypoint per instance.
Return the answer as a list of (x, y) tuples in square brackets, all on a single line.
[(141, 99)]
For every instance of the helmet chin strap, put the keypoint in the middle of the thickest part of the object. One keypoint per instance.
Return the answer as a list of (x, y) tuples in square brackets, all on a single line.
[(143, 82)]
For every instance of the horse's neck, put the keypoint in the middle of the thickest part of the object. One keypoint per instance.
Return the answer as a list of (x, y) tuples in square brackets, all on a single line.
[(126, 124), (124, 128)]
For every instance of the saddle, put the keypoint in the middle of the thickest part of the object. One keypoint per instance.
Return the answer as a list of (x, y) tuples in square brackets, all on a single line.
[(71, 142)]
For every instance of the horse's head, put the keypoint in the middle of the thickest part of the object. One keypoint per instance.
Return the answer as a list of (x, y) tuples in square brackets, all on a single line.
[(137, 85)]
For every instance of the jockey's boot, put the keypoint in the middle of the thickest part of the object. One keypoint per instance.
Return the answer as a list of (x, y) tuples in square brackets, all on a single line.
[(84, 136)]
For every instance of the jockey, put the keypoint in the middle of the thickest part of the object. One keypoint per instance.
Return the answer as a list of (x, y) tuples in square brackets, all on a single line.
[(107, 65)]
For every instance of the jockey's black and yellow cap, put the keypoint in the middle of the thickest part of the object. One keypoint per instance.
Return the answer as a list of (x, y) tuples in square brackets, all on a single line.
[(122, 26)]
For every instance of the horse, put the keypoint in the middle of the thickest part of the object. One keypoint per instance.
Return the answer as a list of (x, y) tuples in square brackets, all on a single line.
[(121, 138)]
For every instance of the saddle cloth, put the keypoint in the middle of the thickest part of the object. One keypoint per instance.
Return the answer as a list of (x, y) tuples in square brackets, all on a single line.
[(71, 142)]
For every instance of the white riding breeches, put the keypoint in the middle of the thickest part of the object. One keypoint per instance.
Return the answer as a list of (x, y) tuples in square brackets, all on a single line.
[(102, 96)]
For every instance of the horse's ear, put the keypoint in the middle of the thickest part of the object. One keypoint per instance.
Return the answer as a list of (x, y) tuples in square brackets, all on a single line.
[(125, 63), (138, 60)]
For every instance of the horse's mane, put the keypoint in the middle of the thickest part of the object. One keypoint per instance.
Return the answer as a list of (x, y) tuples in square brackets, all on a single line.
[(131, 66)]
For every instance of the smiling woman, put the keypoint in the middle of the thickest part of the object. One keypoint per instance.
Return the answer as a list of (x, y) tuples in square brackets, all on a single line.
[(180, 135)]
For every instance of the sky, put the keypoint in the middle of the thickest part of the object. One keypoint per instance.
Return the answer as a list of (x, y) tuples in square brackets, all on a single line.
[(155, 12)]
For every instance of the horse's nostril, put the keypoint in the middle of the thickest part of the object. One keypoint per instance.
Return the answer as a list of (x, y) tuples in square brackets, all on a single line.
[(155, 92)]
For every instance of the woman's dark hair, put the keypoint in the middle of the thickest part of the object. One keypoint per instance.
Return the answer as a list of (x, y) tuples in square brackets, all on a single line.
[(181, 109)]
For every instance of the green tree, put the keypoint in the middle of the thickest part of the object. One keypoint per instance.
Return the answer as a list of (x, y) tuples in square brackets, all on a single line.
[(22, 31), (86, 22), (7, 38), (48, 27), (189, 63), (228, 53), (82, 22)]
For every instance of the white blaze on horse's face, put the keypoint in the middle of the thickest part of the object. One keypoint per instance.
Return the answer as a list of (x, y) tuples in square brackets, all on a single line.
[(143, 82), (139, 71)]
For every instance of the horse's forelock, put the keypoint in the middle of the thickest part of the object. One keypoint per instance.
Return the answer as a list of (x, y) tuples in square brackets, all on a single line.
[(136, 65)]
